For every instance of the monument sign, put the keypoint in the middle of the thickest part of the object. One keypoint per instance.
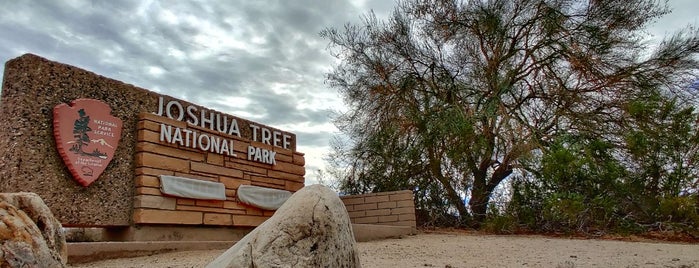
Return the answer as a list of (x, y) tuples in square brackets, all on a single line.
[(139, 158)]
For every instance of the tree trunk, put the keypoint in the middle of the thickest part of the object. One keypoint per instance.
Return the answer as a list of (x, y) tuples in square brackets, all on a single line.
[(452, 195), (482, 190)]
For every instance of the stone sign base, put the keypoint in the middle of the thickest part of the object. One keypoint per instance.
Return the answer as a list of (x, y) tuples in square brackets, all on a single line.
[(175, 233)]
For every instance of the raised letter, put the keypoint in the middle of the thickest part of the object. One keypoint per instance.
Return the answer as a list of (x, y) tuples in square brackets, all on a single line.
[(287, 141), (177, 137), (254, 131), (265, 155), (165, 133), (187, 137), (224, 147), (258, 155), (191, 116), (215, 144), (202, 146), (218, 123), (272, 155), (277, 138), (205, 120), (251, 152), (180, 110), (234, 130), (160, 106), (194, 139), (266, 136)]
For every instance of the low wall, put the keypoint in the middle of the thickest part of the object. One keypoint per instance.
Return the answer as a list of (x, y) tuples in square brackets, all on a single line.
[(387, 208)]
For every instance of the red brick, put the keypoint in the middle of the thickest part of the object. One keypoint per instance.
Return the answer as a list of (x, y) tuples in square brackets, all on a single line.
[(247, 220), (248, 168), (234, 205), (186, 201), (218, 170), (376, 199), (298, 159), (368, 220), (204, 177), (241, 147), (378, 212), (243, 160), (406, 217), (230, 193), (214, 159), (401, 196), (405, 204), (282, 151), (148, 136), (169, 151), (289, 168), (390, 218), (365, 206), (147, 181), (267, 180), (356, 214), (148, 125), (352, 200), (148, 191), (283, 158), (167, 216), (293, 186), (387, 204), (396, 211), (154, 201), (153, 171), (285, 176), (268, 213), (218, 219), (161, 162), (232, 183), (210, 203), (205, 209), (253, 211), (268, 185)]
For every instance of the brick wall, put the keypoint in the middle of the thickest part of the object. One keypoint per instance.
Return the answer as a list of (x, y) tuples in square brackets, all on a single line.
[(154, 158), (387, 208)]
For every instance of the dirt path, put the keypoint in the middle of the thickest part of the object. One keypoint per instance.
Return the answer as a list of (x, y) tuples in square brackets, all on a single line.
[(467, 250)]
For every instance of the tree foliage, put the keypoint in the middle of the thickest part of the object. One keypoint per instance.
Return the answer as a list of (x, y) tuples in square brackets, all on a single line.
[(448, 97)]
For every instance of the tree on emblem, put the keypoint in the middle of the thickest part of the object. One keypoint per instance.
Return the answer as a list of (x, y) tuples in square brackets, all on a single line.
[(80, 130)]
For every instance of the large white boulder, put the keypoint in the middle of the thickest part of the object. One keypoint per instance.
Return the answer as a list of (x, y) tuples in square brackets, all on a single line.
[(30, 236), (312, 229)]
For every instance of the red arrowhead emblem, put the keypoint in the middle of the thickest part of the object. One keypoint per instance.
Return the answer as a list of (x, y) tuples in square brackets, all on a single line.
[(86, 137)]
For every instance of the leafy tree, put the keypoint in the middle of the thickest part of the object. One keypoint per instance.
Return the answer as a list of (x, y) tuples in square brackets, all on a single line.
[(453, 94), (585, 184)]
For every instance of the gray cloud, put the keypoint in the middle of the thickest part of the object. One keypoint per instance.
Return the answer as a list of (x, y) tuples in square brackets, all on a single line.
[(260, 60)]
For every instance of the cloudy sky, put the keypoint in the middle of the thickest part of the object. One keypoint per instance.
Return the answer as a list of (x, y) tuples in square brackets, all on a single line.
[(259, 60)]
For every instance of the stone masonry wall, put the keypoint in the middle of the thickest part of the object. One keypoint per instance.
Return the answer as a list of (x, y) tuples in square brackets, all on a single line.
[(387, 208), (155, 157)]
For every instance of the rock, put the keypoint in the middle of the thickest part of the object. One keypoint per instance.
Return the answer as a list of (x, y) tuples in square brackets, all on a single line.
[(312, 229), (29, 233)]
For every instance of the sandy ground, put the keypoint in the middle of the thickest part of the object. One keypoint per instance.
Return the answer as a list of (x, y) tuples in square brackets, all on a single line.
[(469, 250)]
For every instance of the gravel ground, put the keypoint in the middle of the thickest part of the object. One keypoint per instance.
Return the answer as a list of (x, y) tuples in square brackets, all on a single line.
[(470, 250)]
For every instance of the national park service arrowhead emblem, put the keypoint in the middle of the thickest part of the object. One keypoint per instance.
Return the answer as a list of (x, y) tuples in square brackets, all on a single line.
[(86, 137)]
